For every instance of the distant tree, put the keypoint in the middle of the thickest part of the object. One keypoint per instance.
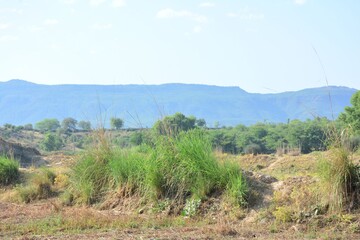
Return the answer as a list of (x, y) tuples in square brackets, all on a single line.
[(69, 124), (200, 122), (28, 126), (48, 124), (9, 126), (116, 123), (175, 124), (84, 125), (351, 115), (51, 142), (252, 148), (216, 124)]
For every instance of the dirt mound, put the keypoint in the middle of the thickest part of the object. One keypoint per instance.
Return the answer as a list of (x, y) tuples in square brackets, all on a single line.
[(26, 156)]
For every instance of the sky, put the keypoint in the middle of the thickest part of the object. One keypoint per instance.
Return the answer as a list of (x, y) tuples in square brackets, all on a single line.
[(260, 46)]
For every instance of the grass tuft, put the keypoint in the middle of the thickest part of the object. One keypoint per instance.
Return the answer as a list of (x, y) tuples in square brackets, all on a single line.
[(9, 171), (178, 168)]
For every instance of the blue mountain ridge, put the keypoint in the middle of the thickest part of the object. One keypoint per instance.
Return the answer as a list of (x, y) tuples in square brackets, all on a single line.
[(23, 102)]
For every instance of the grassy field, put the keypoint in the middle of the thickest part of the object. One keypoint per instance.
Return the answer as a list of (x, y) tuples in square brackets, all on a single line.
[(178, 189)]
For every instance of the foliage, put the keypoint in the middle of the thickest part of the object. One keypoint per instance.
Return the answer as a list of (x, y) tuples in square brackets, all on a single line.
[(252, 148), (224, 140), (172, 125), (175, 168), (69, 124), (309, 135), (283, 214), (51, 142), (340, 178), (90, 178), (116, 123), (191, 207), (137, 138), (353, 143), (40, 186), (84, 125), (9, 171), (351, 115), (200, 122), (28, 126), (48, 124)]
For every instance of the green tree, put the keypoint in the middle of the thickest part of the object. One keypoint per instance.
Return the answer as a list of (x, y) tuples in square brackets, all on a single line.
[(28, 126), (51, 142), (48, 124), (175, 124), (69, 124), (116, 123), (351, 115), (200, 122), (85, 125)]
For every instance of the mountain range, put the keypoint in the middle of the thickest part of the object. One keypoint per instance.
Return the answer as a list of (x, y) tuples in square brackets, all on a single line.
[(23, 102)]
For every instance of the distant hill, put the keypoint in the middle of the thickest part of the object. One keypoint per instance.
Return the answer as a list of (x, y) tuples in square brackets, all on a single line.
[(22, 102)]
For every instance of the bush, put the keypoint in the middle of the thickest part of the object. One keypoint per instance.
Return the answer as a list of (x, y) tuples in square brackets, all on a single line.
[(51, 142), (252, 148), (40, 186), (283, 214), (9, 171)]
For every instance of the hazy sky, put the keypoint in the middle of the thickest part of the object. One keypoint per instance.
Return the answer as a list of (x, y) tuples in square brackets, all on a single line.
[(258, 45)]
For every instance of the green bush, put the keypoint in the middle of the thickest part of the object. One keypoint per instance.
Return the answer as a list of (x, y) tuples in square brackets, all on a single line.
[(51, 142), (9, 171)]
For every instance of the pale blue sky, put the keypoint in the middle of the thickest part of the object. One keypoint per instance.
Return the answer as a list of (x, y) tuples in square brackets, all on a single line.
[(258, 45)]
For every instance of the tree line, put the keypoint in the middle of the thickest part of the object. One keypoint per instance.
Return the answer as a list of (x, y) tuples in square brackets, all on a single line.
[(295, 136)]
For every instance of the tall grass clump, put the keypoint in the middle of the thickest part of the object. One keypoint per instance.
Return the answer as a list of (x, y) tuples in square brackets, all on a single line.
[(90, 178), (187, 168), (128, 170), (185, 165), (237, 188), (178, 167), (9, 171), (38, 186), (339, 176)]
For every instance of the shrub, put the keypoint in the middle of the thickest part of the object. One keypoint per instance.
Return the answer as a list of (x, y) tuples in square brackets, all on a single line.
[(39, 186), (252, 148), (283, 214), (51, 142), (9, 171)]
